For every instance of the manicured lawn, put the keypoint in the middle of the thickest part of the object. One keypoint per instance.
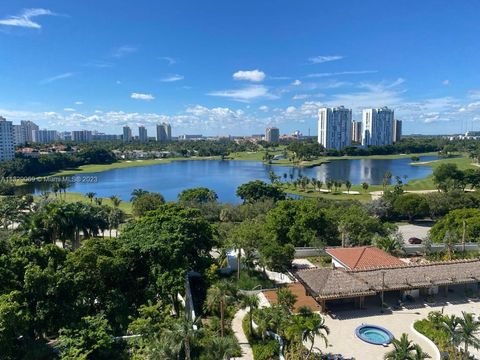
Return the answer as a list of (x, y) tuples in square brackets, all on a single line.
[(76, 197), (364, 196), (462, 162), (126, 164)]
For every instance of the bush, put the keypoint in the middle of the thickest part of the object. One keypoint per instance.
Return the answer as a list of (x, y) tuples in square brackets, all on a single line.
[(268, 350), (254, 280)]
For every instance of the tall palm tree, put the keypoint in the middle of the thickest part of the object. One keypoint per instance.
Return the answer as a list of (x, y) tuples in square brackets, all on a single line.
[(90, 195), (450, 325), (468, 329), (286, 298), (348, 185), (252, 302), (402, 349), (218, 296), (136, 193), (315, 326), (115, 201)]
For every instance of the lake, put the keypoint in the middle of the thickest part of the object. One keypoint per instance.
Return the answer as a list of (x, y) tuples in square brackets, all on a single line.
[(224, 176)]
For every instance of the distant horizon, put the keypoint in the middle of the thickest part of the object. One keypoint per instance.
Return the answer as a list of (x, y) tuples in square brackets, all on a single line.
[(221, 68)]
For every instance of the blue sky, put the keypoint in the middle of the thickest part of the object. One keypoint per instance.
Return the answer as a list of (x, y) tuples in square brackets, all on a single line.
[(221, 67)]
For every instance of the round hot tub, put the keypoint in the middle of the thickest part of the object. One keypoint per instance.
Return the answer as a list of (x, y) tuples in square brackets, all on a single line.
[(373, 334)]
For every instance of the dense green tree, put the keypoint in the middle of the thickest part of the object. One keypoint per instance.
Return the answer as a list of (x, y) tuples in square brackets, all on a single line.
[(149, 201), (455, 222), (197, 195), (275, 256), (91, 339), (411, 206), (301, 223), (168, 243), (447, 177), (259, 191)]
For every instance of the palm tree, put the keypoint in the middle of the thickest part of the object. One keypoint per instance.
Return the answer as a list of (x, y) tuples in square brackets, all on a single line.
[(387, 244), (136, 193), (468, 331), (286, 299), (90, 196), (115, 201), (348, 185), (252, 303), (402, 349), (218, 296), (329, 184), (419, 354), (221, 348), (386, 178), (315, 326), (365, 186), (450, 325)]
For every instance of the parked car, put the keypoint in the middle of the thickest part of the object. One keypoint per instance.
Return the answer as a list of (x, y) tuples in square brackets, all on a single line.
[(414, 240)]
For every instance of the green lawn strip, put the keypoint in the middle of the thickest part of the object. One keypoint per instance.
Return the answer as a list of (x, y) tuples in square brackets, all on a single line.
[(126, 206)]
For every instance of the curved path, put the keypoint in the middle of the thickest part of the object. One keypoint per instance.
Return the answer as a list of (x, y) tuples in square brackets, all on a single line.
[(237, 328)]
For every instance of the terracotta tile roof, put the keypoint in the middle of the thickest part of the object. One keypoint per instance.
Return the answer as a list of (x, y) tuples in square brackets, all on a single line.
[(364, 257), (303, 299), (339, 283)]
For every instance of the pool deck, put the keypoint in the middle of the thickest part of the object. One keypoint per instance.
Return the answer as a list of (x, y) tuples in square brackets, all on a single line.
[(342, 338)]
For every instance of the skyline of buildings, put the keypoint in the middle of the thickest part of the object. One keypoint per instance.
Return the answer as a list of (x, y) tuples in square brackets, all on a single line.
[(164, 132), (337, 130)]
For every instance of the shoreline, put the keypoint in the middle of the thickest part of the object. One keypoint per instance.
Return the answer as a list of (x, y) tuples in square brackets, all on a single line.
[(96, 168)]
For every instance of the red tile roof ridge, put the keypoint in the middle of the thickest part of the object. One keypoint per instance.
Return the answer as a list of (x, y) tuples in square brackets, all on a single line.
[(407, 265)]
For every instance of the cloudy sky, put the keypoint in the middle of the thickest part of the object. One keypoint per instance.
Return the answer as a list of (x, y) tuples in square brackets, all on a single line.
[(221, 67)]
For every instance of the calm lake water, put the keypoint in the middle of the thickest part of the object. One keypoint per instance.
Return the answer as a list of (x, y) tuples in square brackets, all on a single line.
[(225, 176)]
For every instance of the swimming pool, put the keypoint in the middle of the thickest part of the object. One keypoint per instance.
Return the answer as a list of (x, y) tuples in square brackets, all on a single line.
[(373, 334)]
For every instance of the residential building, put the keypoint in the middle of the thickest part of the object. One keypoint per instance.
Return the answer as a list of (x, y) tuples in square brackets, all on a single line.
[(362, 257), (7, 148), (377, 127), (127, 134), (272, 134), (65, 136), (96, 136), (142, 134), (18, 135), (82, 136), (397, 130), (190, 137), (28, 127), (44, 136), (357, 132), (164, 132), (335, 127)]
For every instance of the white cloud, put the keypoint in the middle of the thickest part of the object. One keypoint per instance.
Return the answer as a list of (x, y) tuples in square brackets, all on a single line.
[(263, 108), (245, 94), (25, 18), (249, 75), (144, 97), (297, 83), (98, 64), (168, 59), (324, 58), (301, 96), (290, 109), (446, 82), (78, 102), (329, 74), (69, 109), (56, 78), (123, 51), (172, 78)]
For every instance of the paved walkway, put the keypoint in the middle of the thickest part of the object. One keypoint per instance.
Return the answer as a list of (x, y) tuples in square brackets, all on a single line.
[(237, 328)]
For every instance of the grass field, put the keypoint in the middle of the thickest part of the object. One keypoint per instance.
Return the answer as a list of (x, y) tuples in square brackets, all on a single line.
[(77, 197), (125, 164)]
